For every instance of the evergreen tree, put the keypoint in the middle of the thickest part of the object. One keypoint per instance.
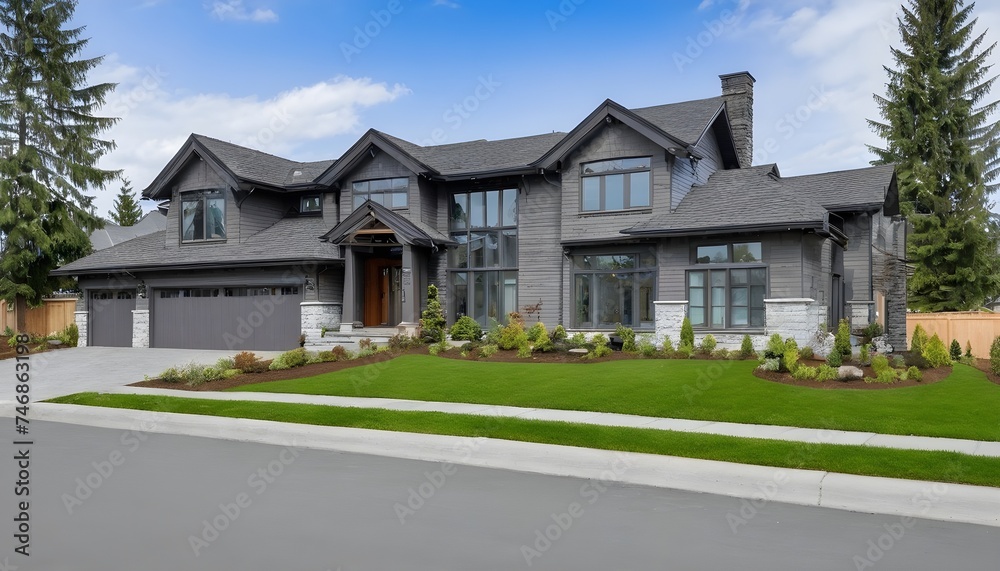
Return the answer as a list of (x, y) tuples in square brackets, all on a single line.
[(127, 210), (936, 131), (49, 146)]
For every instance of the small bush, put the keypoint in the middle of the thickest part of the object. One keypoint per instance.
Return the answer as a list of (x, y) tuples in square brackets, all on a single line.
[(721, 353), (898, 362), (493, 334), (646, 347), (968, 349), (914, 374), (684, 351), (936, 353), (687, 332), (524, 351), (864, 356), (435, 349), (627, 335), (70, 335), (835, 359), (290, 359), (826, 373), (880, 363), (559, 333), (803, 372), (886, 377), (775, 347), (806, 353), (916, 360), (248, 362), (790, 358), (708, 344), (770, 364), (746, 348), (402, 342), (487, 351), (543, 343), (668, 346), (995, 356), (842, 339), (577, 340), (8, 331), (432, 321), (466, 329), (918, 340), (537, 330), (872, 330), (171, 375), (366, 344), (955, 351), (512, 336), (225, 363)]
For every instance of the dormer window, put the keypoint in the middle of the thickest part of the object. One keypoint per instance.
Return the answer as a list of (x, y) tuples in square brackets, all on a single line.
[(311, 205), (203, 216), (617, 184)]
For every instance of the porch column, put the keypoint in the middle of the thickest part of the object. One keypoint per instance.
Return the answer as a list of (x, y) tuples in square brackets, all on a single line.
[(347, 311), (668, 316), (409, 288)]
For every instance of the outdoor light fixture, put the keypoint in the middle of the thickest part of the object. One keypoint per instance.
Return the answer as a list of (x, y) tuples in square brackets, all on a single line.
[(140, 289)]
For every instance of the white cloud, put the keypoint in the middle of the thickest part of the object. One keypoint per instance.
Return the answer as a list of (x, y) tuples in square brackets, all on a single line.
[(235, 10), (156, 121)]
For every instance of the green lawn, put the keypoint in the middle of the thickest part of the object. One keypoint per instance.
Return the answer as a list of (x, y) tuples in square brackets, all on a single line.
[(909, 464), (965, 405)]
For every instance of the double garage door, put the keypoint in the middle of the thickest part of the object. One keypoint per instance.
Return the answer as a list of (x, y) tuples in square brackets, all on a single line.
[(238, 318)]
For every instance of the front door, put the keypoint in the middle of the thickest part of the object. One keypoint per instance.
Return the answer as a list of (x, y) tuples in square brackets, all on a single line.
[(382, 286)]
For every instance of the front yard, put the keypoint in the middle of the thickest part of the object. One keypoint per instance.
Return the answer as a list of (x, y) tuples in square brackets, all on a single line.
[(965, 405)]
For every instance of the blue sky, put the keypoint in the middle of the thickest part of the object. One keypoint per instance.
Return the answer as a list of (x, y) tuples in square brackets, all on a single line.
[(304, 79)]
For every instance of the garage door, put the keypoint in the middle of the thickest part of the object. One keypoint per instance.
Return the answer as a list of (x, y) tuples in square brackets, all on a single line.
[(244, 318), (111, 318)]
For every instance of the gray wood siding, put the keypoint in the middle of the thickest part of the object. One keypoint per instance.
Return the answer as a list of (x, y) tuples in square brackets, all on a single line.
[(331, 210), (857, 258), (330, 284), (258, 211), (197, 175), (611, 142), (783, 256), (539, 255), (379, 166), (429, 203), (684, 176), (673, 258)]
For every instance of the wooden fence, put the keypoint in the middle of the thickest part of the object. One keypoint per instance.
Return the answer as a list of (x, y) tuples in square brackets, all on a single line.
[(974, 327), (53, 315)]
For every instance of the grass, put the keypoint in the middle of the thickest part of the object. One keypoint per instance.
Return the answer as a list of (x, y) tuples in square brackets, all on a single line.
[(965, 405), (909, 464)]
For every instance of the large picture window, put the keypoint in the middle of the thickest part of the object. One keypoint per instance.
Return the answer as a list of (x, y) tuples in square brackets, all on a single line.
[(614, 288), (483, 267), (389, 192), (618, 184), (203, 216), (723, 298)]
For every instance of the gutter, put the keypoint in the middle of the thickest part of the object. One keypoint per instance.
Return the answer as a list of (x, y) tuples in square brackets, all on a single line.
[(189, 266), (777, 226)]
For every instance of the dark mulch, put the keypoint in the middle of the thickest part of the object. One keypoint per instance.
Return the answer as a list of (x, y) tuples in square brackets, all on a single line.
[(984, 366), (930, 376)]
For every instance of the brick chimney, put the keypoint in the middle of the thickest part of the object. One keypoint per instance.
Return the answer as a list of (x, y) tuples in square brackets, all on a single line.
[(737, 90)]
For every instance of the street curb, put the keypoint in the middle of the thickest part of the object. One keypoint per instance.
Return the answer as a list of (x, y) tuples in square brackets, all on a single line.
[(760, 484)]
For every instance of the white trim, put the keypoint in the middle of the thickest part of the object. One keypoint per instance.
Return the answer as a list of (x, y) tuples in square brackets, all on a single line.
[(684, 302), (325, 303), (791, 300)]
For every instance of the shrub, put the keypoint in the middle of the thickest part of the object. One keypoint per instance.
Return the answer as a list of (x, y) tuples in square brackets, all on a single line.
[(746, 348), (918, 341), (790, 358), (916, 360), (708, 344), (366, 344), (898, 362), (886, 377), (577, 340), (914, 374), (968, 350), (835, 359), (544, 344), (842, 340), (668, 346), (872, 330), (537, 330), (439, 347), (524, 351), (826, 373), (432, 320), (402, 342), (646, 347), (864, 357), (225, 363), (687, 332), (487, 351), (684, 351), (770, 364), (559, 333), (775, 347), (512, 336), (936, 353), (955, 351), (995, 356), (8, 331), (880, 363), (248, 362), (70, 335), (721, 353), (171, 375), (627, 335), (466, 329), (806, 353), (289, 359), (803, 372)]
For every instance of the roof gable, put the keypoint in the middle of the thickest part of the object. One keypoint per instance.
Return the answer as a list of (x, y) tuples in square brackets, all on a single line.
[(374, 218), (366, 144)]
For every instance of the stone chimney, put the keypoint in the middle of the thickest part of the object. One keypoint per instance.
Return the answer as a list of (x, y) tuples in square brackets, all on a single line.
[(737, 90)]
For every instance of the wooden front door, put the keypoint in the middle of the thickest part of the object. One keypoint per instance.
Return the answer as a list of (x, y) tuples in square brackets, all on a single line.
[(381, 292)]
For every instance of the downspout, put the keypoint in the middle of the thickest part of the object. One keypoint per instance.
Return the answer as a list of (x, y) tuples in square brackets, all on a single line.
[(871, 276)]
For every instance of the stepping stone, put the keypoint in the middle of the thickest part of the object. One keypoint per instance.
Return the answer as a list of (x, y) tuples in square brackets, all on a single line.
[(579, 351)]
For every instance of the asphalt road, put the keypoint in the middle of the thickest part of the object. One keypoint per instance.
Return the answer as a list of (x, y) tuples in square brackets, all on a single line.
[(113, 500)]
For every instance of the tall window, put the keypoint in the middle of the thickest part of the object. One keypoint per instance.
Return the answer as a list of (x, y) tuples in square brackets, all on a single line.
[(389, 192), (203, 216), (730, 296), (483, 268), (614, 288), (618, 184)]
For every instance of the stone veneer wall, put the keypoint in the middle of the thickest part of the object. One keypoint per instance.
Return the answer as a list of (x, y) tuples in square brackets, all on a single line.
[(140, 328), (315, 316), (81, 323)]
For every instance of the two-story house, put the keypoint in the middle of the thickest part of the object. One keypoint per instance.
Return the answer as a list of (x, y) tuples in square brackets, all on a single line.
[(635, 216)]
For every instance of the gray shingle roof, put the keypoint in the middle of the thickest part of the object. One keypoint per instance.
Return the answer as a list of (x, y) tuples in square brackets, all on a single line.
[(258, 166), (481, 155), (288, 240), (113, 234), (406, 230), (686, 120)]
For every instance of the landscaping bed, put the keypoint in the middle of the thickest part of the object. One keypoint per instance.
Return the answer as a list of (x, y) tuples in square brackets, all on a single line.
[(36, 346), (930, 376)]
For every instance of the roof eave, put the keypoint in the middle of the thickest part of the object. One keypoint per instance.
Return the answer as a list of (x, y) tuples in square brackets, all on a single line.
[(729, 229), (193, 266)]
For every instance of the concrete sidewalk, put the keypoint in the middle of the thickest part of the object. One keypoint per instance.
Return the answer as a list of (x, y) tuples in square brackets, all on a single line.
[(771, 432)]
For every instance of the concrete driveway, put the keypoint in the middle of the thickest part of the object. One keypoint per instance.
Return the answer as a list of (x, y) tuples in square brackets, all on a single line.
[(67, 371)]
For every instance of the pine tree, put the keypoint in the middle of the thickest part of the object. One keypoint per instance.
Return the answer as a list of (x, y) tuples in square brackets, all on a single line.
[(49, 146), (127, 210), (936, 131)]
